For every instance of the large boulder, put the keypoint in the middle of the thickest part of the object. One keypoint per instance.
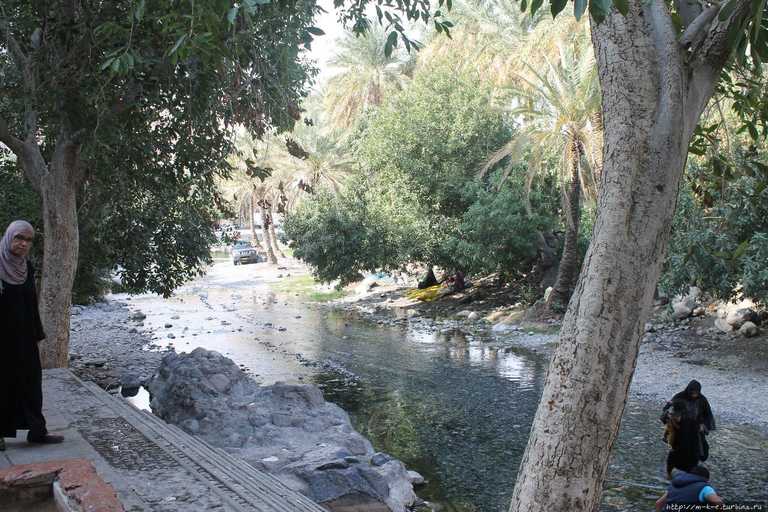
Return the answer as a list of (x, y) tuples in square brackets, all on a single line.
[(749, 330), (683, 307), (722, 325), (286, 429), (738, 317)]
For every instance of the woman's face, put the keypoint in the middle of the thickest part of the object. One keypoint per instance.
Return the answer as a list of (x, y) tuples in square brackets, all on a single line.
[(694, 393), (21, 243)]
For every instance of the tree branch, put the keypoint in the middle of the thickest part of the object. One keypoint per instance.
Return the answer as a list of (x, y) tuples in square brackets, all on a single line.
[(25, 65), (7, 138), (713, 50), (28, 154), (695, 28)]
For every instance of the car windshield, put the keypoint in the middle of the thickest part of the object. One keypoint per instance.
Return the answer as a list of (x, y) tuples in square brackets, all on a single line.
[(241, 245)]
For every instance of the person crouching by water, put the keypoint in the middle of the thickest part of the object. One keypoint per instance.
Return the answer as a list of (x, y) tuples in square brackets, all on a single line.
[(690, 491), (696, 421), (21, 374)]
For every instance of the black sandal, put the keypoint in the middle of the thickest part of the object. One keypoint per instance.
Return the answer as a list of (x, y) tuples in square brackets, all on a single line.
[(46, 439), (2, 444)]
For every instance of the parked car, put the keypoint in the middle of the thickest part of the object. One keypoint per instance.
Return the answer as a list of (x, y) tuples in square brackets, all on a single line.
[(243, 252)]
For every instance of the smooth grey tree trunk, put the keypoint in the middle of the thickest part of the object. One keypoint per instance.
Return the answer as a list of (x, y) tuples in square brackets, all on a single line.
[(254, 235), (56, 185), (652, 100), (273, 238), (59, 263)]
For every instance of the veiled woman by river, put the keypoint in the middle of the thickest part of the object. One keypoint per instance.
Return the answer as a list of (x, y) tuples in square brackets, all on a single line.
[(690, 444), (21, 377)]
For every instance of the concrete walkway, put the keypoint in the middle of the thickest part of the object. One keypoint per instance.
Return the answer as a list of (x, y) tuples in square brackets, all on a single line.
[(150, 464)]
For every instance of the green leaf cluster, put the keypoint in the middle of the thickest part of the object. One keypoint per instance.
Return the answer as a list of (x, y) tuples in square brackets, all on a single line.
[(722, 247), (17, 199), (340, 236), (152, 89), (497, 234)]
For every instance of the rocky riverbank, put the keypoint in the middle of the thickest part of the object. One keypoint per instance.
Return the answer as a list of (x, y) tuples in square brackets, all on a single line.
[(123, 340), (285, 429), (109, 341), (730, 365)]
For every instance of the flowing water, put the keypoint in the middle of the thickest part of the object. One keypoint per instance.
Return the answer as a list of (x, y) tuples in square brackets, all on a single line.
[(454, 408)]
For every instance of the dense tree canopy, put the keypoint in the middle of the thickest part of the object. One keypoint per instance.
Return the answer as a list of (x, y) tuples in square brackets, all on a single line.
[(115, 107), (419, 154)]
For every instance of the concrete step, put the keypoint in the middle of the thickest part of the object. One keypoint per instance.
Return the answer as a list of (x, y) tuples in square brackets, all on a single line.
[(151, 466), (238, 483)]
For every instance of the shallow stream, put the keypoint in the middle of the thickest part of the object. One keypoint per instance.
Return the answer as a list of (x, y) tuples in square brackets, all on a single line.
[(454, 408)]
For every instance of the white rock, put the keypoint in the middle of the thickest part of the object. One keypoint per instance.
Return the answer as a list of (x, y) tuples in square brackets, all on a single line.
[(416, 478), (722, 325), (680, 310), (365, 286)]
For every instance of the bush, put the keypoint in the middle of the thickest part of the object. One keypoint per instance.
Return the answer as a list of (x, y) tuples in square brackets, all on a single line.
[(722, 249), (340, 237), (496, 233)]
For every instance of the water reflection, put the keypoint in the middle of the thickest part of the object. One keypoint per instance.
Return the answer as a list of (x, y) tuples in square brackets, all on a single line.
[(138, 397), (454, 407), (459, 411)]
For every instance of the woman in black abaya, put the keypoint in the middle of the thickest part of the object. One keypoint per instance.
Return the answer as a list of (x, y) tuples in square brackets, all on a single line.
[(21, 331), (690, 445)]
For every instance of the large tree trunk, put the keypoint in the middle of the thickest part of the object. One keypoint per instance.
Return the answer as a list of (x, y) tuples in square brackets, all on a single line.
[(58, 190), (652, 101), (59, 266), (561, 291)]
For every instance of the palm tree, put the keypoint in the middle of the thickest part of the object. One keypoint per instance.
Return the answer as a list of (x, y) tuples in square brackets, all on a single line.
[(490, 36), (271, 174), (560, 115), (368, 77), (324, 159)]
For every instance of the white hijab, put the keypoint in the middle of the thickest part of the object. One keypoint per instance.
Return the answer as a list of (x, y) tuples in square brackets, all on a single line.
[(13, 269)]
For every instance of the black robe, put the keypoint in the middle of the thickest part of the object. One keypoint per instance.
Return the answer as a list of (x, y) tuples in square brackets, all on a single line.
[(690, 445), (21, 374)]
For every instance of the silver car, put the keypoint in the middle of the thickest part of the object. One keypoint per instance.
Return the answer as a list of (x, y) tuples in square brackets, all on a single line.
[(243, 252)]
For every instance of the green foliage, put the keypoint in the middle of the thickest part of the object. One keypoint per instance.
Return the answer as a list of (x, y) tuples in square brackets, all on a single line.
[(422, 149), (161, 244), (17, 199), (92, 279), (723, 249), (150, 89), (496, 233), (340, 236)]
